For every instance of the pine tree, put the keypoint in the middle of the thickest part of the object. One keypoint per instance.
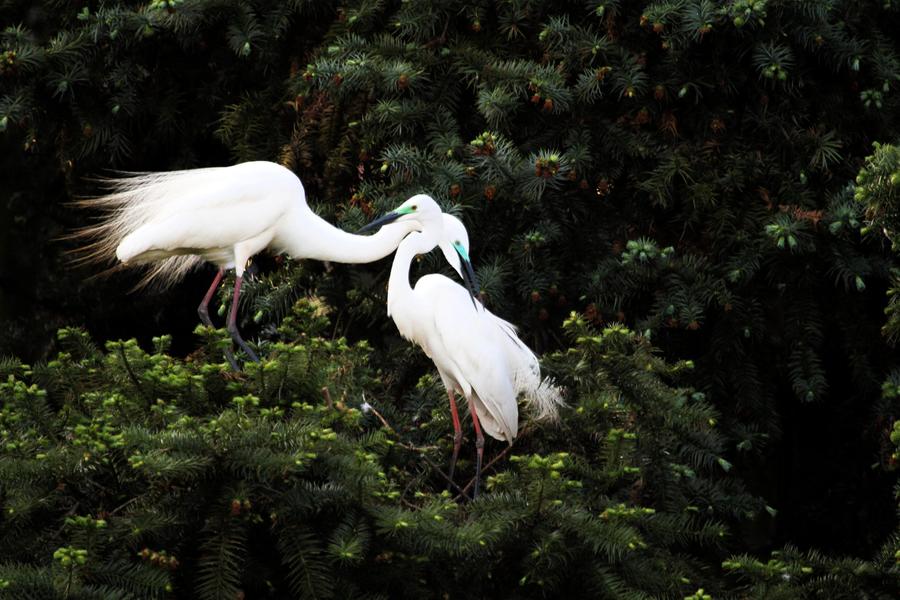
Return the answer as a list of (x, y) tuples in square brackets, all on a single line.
[(677, 173), (136, 474)]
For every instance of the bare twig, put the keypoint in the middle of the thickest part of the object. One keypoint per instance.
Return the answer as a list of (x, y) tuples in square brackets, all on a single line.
[(121, 506), (419, 450), (382, 419), (327, 395)]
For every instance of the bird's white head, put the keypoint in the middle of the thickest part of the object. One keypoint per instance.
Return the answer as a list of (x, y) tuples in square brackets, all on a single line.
[(435, 228), (420, 206), (454, 244), (420, 212)]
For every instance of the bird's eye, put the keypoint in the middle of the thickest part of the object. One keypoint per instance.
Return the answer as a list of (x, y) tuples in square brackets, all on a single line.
[(414, 207), (457, 243)]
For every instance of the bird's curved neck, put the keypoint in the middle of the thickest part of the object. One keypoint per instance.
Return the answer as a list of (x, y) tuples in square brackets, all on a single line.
[(412, 245), (310, 236)]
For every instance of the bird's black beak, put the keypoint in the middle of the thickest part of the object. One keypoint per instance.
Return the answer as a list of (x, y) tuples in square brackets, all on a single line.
[(470, 280), (382, 220), (468, 274)]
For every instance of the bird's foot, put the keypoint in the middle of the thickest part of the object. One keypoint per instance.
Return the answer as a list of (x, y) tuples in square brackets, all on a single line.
[(479, 456), (236, 336)]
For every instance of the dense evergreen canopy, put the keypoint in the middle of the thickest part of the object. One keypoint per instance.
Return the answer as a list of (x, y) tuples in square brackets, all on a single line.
[(679, 203)]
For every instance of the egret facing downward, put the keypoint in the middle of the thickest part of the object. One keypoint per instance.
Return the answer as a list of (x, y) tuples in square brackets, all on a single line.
[(173, 221), (477, 354)]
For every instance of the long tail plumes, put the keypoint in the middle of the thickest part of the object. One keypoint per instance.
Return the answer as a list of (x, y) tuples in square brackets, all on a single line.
[(135, 201), (544, 400)]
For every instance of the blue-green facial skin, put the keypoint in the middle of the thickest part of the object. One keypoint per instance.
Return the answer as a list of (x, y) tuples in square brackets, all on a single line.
[(462, 251)]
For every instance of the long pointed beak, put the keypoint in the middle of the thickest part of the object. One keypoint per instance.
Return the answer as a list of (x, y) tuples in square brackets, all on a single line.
[(382, 220), (470, 280), (468, 273)]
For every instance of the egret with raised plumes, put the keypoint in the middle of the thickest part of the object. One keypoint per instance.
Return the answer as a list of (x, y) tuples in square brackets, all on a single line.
[(172, 221)]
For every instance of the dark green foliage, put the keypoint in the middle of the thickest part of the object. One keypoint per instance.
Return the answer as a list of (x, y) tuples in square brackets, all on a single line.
[(677, 173), (876, 190), (134, 474), (794, 574)]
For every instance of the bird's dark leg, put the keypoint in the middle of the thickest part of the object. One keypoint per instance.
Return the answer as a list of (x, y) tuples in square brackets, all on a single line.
[(457, 435), (232, 322), (203, 311), (479, 448)]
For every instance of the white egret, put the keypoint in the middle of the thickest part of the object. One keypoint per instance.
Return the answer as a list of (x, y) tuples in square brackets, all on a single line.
[(173, 221), (477, 354)]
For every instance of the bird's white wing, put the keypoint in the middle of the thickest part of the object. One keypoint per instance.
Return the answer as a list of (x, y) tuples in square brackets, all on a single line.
[(144, 196), (211, 209), (542, 396), (519, 356), (467, 348), (194, 229), (162, 215)]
